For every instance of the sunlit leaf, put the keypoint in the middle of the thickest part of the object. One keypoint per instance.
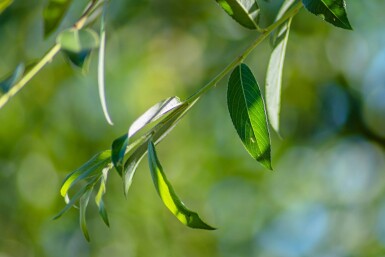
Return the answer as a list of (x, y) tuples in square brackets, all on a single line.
[(101, 63), (154, 113), (275, 68), (168, 195), (99, 196), (118, 150), (83, 203), (96, 163), (245, 12), (332, 11), (53, 14), (131, 165), (247, 111), (11, 80), (4, 4)]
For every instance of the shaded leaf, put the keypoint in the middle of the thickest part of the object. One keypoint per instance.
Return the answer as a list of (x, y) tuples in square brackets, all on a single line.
[(131, 165), (99, 196), (168, 195), (101, 63), (248, 114), (118, 148), (275, 68), (83, 203), (53, 14), (245, 12), (94, 164), (154, 113), (332, 11), (4, 4), (11, 80)]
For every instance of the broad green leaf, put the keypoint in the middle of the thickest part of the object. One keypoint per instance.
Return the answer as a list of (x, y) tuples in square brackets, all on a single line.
[(97, 162), (154, 113), (247, 111), (168, 195), (245, 12), (53, 14), (118, 150), (4, 4), (101, 63), (11, 80), (275, 68), (332, 11), (76, 41), (99, 196), (83, 203)]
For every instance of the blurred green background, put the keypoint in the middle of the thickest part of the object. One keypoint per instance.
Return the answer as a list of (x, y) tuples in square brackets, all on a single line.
[(326, 197)]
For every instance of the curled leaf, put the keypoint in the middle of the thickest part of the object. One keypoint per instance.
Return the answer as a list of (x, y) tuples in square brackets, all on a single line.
[(99, 196), (168, 195), (83, 203)]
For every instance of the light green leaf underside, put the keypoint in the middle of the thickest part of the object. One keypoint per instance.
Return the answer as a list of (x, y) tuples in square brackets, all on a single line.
[(53, 14), (332, 11), (4, 4), (247, 112), (245, 12), (12, 79), (83, 203), (275, 68), (168, 195), (100, 194)]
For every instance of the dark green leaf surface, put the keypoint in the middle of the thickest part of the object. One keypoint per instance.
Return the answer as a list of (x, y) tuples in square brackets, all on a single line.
[(53, 14), (245, 12), (168, 195), (247, 111), (332, 11), (119, 147), (275, 68), (4, 4), (11, 80)]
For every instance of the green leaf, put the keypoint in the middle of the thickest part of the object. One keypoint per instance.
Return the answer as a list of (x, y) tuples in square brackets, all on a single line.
[(101, 70), (83, 203), (154, 113), (248, 114), (118, 150), (53, 14), (168, 195), (275, 68), (245, 12), (99, 196), (131, 165), (4, 4), (332, 11), (11, 80), (94, 164), (76, 41)]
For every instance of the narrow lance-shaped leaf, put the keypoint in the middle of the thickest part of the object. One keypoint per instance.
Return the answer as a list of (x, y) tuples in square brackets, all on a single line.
[(99, 196), (95, 163), (247, 111), (101, 70), (245, 12), (53, 14), (83, 203), (168, 195), (11, 80), (275, 68), (332, 11), (4, 4)]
